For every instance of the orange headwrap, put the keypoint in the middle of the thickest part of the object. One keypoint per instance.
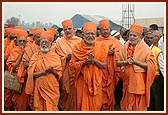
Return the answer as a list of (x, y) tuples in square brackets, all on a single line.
[(8, 30), (89, 26), (67, 23), (31, 31), (38, 31), (18, 27), (47, 35), (22, 33), (52, 30), (16, 31), (136, 28), (104, 23)]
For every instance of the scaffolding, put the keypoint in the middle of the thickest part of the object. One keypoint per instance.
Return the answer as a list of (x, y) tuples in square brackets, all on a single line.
[(128, 15)]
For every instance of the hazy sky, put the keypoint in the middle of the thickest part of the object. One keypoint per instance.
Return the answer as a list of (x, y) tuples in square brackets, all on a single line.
[(56, 12)]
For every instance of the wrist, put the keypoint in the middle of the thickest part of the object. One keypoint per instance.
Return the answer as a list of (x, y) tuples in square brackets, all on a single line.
[(94, 60), (125, 62)]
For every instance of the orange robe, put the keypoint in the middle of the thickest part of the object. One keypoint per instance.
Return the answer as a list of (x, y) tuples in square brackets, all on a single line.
[(8, 93), (30, 40), (64, 46), (45, 88), (6, 43), (20, 100), (109, 78), (136, 80), (88, 79), (29, 51), (9, 48)]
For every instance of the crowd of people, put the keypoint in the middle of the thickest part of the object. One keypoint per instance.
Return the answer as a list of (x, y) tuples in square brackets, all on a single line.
[(89, 69)]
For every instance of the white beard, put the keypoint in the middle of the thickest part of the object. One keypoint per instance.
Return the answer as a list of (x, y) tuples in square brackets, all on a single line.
[(45, 50), (89, 42)]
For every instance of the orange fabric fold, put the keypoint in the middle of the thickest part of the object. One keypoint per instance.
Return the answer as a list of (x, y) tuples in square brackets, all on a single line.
[(89, 26), (31, 30), (104, 23), (52, 30), (18, 27), (29, 51), (88, 79), (20, 100), (38, 31), (8, 30), (67, 23), (9, 47), (47, 35), (63, 47), (136, 28), (7, 41), (136, 80), (45, 87), (30, 40), (20, 70), (22, 33), (109, 75)]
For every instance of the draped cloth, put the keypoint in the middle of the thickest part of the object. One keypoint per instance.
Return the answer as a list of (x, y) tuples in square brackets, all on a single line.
[(64, 46), (46, 87), (136, 80), (88, 79), (20, 101), (6, 43), (9, 48), (30, 50), (109, 74)]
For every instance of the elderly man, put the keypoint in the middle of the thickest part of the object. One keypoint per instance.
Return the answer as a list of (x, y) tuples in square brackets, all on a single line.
[(12, 44), (34, 47), (29, 51), (137, 64), (112, 72), (44, 72), (88, 60), (157, 89), (15, 64), (8, 38), (63, 47)]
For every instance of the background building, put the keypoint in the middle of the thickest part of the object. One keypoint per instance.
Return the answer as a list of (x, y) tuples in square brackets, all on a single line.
[(79, 20), (148, 21)]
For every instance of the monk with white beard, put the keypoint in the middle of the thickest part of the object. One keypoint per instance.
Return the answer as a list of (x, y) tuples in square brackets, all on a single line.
[(44, 72), (86, 64)]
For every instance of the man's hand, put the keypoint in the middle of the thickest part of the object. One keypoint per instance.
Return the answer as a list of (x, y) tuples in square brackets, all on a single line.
[(111, 50), (90, 56), (68, 57), (130, 60), (49, 69), (87, 61)]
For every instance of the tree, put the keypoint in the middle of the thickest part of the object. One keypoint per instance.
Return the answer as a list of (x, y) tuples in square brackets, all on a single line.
[(13, 20)]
